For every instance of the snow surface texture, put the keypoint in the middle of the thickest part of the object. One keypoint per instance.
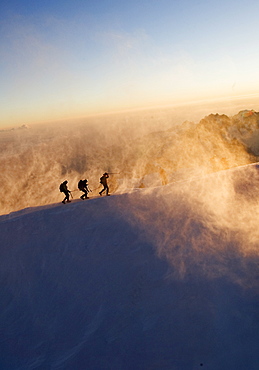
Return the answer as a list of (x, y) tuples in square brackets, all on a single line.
[(163, 278)]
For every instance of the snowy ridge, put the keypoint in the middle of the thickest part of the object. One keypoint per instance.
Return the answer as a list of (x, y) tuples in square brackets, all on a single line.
[(161, 278)]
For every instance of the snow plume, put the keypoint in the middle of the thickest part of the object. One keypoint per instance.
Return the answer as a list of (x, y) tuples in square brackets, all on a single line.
[(208, 226), (144, 149)]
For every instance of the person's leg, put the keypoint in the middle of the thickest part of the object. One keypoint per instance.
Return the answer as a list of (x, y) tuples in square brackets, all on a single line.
[(107, 190), (67, 197), (84, 196)]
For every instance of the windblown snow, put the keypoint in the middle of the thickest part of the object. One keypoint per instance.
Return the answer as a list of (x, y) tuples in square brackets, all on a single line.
[(143, 150), (161, 278)]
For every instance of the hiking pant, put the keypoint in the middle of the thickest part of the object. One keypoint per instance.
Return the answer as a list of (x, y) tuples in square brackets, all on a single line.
[(66, 196), (105, 187), (84, 196)]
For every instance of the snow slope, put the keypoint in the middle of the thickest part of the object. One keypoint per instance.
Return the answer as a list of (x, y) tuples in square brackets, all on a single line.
[(162, 278)]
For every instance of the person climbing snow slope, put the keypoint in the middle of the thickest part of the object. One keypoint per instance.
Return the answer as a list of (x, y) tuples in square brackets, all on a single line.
[(103, 181), (63, 189)]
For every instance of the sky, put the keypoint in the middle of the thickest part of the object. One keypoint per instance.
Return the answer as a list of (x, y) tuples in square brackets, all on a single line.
[(73, 58)]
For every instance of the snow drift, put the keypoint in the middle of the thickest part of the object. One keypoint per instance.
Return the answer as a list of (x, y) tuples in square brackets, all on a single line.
[(162, 278)]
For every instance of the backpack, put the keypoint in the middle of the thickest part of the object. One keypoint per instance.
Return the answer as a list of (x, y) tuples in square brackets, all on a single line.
[(80, 184), (61, 188)]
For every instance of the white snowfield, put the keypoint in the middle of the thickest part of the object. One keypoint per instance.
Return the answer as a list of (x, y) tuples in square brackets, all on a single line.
[(157, 279)]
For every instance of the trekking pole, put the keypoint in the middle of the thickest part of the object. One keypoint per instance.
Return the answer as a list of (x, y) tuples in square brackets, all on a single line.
[(96, 188)]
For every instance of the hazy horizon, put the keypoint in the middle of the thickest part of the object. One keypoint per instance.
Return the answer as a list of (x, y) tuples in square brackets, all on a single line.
[(193, 111)]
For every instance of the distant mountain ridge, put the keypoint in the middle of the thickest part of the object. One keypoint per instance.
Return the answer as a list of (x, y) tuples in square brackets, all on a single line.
[(15, 128)]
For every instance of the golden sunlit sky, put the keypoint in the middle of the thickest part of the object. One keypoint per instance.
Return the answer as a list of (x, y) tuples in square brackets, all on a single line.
[(73, 58)]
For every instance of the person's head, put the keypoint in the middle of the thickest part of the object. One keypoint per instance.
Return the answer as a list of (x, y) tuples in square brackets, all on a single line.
[(65, 182)]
